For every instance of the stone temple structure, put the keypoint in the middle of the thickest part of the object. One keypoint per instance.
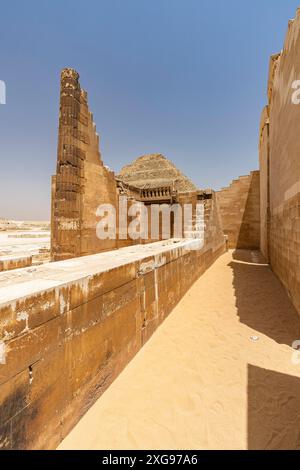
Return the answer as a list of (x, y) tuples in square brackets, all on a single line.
[(69, 327), (155, 171), (86, 314), (82, 183)]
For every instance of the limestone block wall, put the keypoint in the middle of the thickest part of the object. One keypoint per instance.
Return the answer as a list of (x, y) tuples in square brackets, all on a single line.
[(81, 182), (189, 198), (264, 164), (193, 199), (213, 233), (7, 263), (281, 183), (70, 327), (239, 206)]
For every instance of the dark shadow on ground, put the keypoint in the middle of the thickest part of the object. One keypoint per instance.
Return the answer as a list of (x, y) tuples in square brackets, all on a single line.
[(261, 300), (273, 410)]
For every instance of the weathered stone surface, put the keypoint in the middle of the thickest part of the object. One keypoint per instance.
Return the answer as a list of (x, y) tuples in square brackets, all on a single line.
[(155, 170), (95, 317), (14, 396), (240, 211), (264, 166), (81, 182), (14, 262), (30, 347), (280, 166)]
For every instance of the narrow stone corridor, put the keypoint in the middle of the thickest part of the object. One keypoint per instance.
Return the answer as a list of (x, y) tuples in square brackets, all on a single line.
[(220, 372)]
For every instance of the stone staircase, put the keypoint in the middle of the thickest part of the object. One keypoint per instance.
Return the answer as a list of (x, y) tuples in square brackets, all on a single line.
[(196, 227)]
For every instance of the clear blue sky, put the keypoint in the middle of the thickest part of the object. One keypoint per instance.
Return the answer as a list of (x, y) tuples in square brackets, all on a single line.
[(186, 78)]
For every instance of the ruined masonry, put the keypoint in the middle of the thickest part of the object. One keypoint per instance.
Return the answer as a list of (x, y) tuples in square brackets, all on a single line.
[(69, 327), (279, 148)]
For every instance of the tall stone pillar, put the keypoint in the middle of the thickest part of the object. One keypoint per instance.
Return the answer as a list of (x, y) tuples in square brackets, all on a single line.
[(68, 185)]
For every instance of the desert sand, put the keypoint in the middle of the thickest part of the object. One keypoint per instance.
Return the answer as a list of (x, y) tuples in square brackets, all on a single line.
[(217, 374)]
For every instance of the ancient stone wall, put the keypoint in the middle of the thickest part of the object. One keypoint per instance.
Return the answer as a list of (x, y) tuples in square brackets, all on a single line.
[(7, 263), (68, 329), (213, 233), (81, 182), (240, 211), (264, 165), (280, 165)]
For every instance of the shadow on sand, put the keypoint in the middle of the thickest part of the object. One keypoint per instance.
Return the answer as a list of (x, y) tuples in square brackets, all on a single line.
[(261, 300), (273, 397), (273, 410)]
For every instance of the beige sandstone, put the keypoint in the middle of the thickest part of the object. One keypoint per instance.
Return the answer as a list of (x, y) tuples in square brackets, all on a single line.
[(280, 166), (239, 206)]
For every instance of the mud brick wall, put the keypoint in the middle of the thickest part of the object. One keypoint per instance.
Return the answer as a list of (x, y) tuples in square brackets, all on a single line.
[(281, 181), (69, 328), (240, 211), (8, 263)]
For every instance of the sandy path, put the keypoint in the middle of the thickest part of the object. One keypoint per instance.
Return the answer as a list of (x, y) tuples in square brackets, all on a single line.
[(200, 382)]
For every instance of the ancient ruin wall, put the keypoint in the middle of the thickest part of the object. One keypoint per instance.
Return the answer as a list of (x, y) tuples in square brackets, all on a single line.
[(69, 328), (81, 182), (264, 165), (240, 211), (280, 165), (213, 234), (7, 263)]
